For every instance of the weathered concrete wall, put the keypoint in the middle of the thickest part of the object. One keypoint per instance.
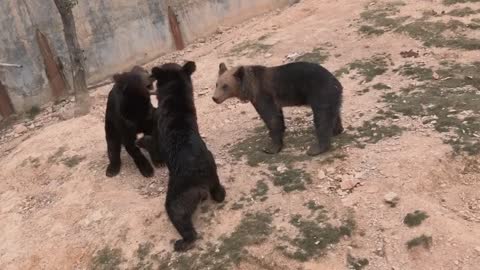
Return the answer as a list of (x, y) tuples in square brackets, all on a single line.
[(202, 17), (115, 35)]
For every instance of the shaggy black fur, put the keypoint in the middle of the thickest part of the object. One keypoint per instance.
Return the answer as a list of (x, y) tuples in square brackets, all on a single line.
[(129, 112), (176, 139)]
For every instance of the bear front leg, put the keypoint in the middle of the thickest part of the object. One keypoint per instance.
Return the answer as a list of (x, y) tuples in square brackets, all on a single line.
[(180, 209), (273, 118), (323, 119), (147, 142), (114, 147), (140, 160)]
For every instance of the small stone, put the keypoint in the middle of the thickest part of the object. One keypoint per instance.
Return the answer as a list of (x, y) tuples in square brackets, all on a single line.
[(20, 128), (66, 113), (477, 249), (331, 170), (268, 55), (391, 198), (349, 184), (292, 56), (281, 169), (321, 175), (359, 175)]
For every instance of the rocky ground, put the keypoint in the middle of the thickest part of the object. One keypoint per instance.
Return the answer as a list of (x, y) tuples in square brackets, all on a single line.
[(400, 189)]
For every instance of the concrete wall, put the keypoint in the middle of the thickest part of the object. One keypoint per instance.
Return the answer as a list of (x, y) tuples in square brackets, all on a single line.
[(115, 35)]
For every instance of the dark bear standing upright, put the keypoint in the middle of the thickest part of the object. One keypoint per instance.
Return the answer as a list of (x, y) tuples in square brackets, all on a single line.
[(295, 84), (176, 138), (129, 112)]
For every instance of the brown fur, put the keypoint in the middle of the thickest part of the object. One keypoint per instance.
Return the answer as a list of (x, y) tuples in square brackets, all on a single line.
[(296, 84)]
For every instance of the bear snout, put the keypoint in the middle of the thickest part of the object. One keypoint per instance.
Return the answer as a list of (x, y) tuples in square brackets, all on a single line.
[(216, 100)]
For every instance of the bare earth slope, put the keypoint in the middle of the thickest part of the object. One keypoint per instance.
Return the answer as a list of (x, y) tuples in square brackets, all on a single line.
[(411, 73)]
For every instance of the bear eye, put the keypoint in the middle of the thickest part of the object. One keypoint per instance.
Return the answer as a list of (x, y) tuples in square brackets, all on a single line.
[(224, 87)]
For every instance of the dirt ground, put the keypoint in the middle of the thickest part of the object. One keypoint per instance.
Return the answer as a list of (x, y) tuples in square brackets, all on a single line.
[(400, 189)]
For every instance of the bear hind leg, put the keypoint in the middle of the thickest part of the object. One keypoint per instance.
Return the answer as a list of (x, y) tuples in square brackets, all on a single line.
[(338, 126), (218, 193), (180, 211), (323, 121)]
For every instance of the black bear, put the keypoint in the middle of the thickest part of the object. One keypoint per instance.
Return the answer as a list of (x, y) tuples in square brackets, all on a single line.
[(176, 139), (295, 84), (129, 112)]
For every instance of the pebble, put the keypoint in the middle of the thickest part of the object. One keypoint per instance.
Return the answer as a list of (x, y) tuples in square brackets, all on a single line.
[(20, 128), (391, 198), (349, 184), (281, 169), (331, 170), (321, 175), (477, 249), (359, 175)]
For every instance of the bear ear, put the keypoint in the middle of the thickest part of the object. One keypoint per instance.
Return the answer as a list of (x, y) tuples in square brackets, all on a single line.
[(240, 73), (222, 68), (117, 78), (189, 67), (156, 72)]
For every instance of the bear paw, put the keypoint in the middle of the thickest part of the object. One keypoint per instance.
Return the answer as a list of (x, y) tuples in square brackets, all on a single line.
[(272, 148), (317, 149), (112, 170), (146, 170), (182, 246)]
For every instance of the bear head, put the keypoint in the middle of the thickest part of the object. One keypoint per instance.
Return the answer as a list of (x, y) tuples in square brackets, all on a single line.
[(136, 82), (172, 76), (229, 84), (147, 80)]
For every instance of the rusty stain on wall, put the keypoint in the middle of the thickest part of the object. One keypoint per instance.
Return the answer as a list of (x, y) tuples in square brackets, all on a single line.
[(6, 108), (54, 73), (175, 29)]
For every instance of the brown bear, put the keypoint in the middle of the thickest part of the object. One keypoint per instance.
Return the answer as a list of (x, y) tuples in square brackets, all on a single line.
[(129, 112), (295, 84)]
